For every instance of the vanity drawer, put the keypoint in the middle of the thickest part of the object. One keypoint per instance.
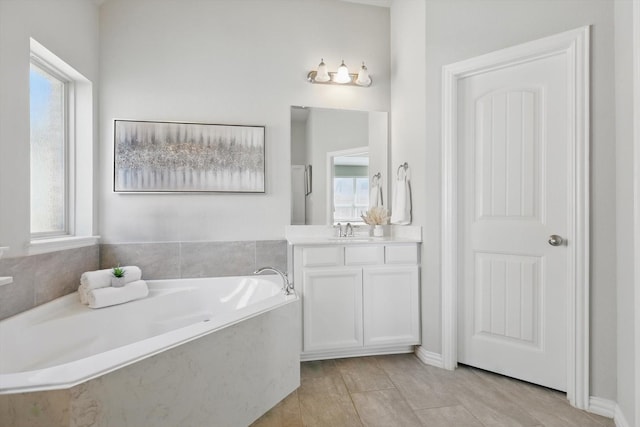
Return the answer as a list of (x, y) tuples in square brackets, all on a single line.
[(364, 255), (401, 254), (323, 256)]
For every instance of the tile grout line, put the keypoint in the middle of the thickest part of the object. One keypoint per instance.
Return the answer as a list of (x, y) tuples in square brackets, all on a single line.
[(395, 387), (491, 386), (299, 407), (355, 408), (470, 411), (180, 260), (415, 411), (474, 372)]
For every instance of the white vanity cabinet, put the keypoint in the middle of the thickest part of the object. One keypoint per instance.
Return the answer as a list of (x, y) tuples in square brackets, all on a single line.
[(332, 315), (390, 305), (358, 299)]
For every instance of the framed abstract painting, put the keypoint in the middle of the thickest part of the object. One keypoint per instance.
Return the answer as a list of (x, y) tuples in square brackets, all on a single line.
[(176, 157)]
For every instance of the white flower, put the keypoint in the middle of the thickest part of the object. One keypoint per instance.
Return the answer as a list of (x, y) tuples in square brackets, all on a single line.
[(376, 216)]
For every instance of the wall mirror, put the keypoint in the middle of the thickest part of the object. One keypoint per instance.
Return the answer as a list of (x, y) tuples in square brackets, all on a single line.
[(339, 164)]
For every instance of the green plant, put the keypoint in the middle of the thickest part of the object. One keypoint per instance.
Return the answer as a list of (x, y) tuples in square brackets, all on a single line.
[(118, 272)]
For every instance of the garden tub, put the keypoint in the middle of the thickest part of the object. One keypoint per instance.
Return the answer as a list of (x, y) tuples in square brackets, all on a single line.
[(206, 351)]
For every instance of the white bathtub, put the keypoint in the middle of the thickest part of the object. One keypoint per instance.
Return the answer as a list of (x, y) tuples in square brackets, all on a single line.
[(222, 328)]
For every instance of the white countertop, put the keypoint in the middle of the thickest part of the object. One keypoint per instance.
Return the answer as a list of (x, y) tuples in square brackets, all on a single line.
[(326, 235)]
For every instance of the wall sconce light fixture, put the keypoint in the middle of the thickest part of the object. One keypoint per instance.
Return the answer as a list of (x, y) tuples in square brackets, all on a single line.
[(341, 77)]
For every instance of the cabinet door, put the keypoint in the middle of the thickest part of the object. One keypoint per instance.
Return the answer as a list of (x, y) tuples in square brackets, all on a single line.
[(332, 308), (391, 305)]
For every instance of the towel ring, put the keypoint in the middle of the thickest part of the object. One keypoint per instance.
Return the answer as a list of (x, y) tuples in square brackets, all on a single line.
[(375, 179), (404, 166)]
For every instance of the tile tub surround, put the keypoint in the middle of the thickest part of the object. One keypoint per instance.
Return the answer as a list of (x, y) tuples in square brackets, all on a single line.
[(41, 278), (227, 378), (398, 390), (175, 260)]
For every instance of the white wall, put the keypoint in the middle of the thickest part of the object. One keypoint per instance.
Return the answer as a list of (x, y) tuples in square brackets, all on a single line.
[(461, 29), (69, 29), (624, 115), (409, 144), (237, 62)]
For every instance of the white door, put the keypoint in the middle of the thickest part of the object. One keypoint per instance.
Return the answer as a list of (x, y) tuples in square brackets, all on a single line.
[(513, 174)]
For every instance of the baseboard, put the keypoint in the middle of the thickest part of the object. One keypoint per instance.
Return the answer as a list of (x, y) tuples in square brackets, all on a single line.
[(607, 408), (429, 357), (619, 418), (307, 356), (603, 407)]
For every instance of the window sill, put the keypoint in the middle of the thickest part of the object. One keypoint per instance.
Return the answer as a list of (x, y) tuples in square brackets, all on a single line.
[(60, 243)]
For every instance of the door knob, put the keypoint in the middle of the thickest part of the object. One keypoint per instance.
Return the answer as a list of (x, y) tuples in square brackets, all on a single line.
[(555, 240)]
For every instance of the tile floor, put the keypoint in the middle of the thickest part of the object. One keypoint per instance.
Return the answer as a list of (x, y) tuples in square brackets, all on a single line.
[(399, 390)]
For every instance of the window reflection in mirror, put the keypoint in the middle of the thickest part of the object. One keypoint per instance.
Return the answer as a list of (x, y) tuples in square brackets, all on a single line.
[(350, 187)]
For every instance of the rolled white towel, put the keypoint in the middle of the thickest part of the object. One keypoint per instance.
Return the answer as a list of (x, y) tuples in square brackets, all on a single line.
[(83, 293), (107, 296), (102, 278)]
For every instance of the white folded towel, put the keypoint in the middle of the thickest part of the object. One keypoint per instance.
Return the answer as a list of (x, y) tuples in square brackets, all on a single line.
[(83, 293), (107, 296), (102, 278), (375, 196), (401, 207)]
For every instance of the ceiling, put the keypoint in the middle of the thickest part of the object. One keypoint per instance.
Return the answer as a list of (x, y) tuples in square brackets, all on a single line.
[(379, 3)]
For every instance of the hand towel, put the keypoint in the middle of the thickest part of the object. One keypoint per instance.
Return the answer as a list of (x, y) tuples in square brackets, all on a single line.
[(401, 206), (102, 278), (375, 196), (107, 296)]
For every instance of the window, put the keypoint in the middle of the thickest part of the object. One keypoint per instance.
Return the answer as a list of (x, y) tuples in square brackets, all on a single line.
[(62, 154), (49, 116), (351, 198)]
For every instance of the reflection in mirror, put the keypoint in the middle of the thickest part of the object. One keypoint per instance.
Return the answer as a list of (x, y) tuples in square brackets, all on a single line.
[(346, 151), (348, 194)]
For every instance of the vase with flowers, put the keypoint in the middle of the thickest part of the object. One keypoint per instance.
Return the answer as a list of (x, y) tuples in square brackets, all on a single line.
[(376, 217)]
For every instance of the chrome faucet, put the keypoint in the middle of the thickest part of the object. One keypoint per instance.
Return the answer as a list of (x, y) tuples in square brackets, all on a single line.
[(348, 230), (287, 287)]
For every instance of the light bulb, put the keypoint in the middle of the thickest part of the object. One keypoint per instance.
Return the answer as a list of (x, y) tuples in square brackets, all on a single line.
[(363, 76), (342, 76), (322, 75)]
